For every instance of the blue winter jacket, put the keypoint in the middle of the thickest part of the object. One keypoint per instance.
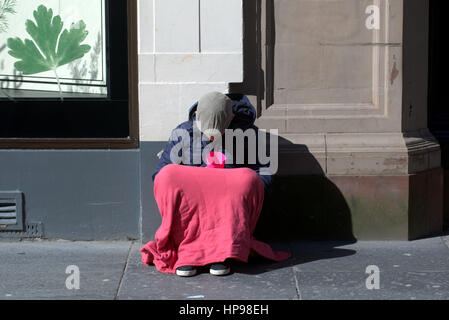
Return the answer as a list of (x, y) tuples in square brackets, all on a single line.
[(245, 115)]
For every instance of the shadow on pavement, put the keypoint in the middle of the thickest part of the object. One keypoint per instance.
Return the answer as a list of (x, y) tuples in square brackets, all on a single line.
[(302, 252)]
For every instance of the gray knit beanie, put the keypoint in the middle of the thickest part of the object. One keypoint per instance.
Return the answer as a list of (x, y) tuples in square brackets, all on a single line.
[(214, 112)]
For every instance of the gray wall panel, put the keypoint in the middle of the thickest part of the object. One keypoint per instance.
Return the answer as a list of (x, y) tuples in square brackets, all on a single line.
[(151, 218), (77, 194)]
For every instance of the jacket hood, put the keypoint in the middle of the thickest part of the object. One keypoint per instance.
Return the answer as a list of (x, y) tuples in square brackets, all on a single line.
[(245, 113)]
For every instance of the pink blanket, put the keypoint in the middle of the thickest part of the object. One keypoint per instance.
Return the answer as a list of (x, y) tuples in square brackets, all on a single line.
[(208, 215)]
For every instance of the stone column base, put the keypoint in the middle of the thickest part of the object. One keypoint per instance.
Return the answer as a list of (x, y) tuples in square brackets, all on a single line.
[(395, 207), (374, 186), (358, 153)]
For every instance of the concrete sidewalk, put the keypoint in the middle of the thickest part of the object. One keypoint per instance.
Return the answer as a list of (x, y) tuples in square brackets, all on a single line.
[(318, 270)]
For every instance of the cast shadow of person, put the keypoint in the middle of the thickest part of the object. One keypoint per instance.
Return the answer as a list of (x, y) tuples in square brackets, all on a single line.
[(305, 213), (304, 206)]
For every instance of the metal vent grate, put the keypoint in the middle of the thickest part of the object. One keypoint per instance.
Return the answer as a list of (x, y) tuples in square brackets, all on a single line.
[(32, 230), (11, 215), (8, 212)]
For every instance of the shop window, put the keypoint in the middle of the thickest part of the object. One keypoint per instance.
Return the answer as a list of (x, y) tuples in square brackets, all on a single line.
[(67, 74)]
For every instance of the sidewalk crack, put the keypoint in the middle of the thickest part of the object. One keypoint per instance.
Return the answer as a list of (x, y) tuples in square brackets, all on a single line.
[(445, 240), (298, 292), (117, 293)]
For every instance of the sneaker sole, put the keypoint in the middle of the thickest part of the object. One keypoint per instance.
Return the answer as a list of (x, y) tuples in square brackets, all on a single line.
[(186, 273), (220, 272)]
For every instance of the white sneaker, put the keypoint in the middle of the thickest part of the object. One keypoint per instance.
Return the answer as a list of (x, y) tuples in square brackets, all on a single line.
[(220, 269), (186, 271)]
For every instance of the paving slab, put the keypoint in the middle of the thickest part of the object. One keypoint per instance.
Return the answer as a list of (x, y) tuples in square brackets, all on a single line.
[(258, 279), (37, 269), (407, 270), (393, 286), (420, 255)]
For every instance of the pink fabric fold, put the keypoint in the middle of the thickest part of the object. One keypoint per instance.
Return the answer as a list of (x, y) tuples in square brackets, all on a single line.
[(208, 216)]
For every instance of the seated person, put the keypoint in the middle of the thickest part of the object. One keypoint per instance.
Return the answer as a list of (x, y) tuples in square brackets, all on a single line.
[(207, 213)]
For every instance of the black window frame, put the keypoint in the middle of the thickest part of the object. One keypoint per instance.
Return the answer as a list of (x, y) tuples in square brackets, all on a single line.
[(438, 112), (85, 123)]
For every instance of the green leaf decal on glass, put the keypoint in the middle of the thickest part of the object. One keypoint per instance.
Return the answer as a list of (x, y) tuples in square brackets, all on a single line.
[(54, 49), (6, 7)]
